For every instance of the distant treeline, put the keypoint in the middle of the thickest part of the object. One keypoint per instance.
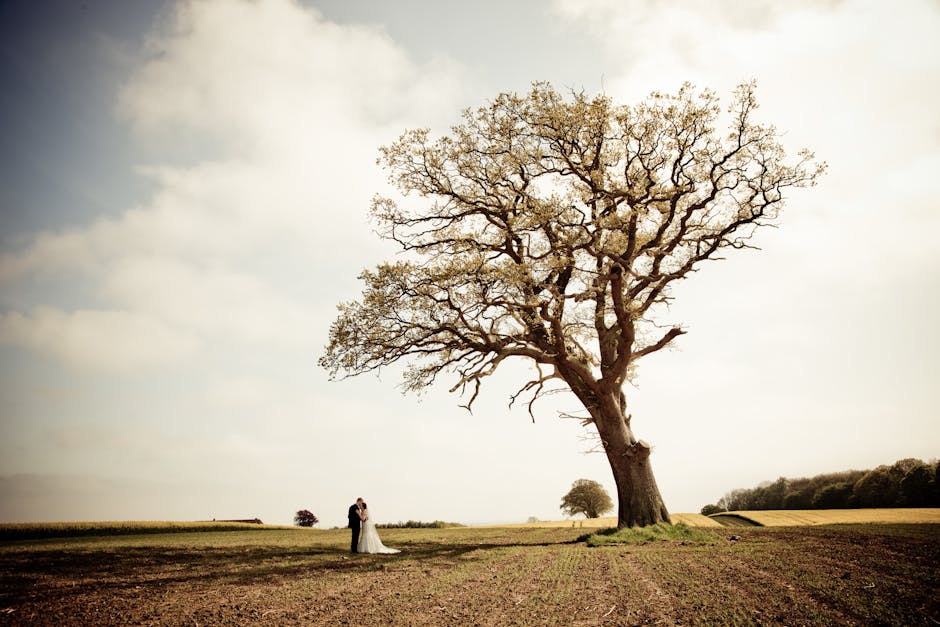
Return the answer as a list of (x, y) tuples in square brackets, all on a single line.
[(417, 524), (906, 483)]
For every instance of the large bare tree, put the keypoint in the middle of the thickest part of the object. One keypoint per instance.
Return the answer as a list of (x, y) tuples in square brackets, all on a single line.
[(550, 228)]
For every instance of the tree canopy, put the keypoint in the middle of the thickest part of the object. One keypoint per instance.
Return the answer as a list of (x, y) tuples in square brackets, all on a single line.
[(586, 497), (555, 227), (305, 518)]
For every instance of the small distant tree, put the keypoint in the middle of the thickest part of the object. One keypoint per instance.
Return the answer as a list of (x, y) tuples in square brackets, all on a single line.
[(710, 509), (305, 518), (532, 519), (586, 497)]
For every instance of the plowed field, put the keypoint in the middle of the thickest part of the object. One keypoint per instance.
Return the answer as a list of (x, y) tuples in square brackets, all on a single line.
[(849, 574)]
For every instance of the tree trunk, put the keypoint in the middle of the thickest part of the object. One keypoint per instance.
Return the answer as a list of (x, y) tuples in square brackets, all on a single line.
[(639, 502), (638, 498)]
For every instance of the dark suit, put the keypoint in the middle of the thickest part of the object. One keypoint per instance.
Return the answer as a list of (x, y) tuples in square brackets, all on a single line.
[(355, 524)]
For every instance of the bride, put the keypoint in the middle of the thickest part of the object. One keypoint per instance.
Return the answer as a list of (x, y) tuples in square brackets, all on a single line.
[(369, 541)]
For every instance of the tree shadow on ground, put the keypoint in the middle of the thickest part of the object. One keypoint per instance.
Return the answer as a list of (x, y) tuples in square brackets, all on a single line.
[(28, 574)]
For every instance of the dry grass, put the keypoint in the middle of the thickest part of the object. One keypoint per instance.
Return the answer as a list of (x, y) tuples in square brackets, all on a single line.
[(796, 518), (691, 520), (768, 518), (18, 531)]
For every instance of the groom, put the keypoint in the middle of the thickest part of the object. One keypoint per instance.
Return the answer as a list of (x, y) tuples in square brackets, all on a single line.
[(355, 523)]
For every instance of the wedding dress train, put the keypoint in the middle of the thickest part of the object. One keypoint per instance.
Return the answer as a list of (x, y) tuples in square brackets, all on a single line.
[(369, 541)]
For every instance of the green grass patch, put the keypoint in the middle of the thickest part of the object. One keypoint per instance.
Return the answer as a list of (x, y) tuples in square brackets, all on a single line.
[(654, 533)]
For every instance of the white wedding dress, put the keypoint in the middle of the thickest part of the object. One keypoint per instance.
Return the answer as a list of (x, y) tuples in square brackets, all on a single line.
[(369, 541)]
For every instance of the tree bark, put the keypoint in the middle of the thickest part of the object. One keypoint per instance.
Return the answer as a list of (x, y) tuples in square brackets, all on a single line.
[(639, 502)]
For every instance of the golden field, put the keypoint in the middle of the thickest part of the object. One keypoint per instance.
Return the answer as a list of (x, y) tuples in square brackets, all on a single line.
[(768, 518), (796, 518), (692, 520)]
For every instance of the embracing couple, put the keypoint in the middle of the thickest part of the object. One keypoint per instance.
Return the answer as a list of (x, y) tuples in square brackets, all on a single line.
[(365, 539)]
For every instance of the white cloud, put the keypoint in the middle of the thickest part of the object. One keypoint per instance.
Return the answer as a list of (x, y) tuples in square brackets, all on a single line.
[(113, 340), (284, 112), (280, 75), (218, 303), (50, 252), (834, 75), (242, 391), (261, 123)]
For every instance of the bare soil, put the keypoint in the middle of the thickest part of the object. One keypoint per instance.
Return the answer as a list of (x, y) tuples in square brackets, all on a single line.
[(840, 575)]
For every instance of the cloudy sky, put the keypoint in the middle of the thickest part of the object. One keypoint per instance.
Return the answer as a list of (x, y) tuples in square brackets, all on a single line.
[(183, 199)]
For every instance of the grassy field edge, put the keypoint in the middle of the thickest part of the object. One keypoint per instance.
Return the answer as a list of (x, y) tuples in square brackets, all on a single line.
[(30, 531), (766, 518)]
